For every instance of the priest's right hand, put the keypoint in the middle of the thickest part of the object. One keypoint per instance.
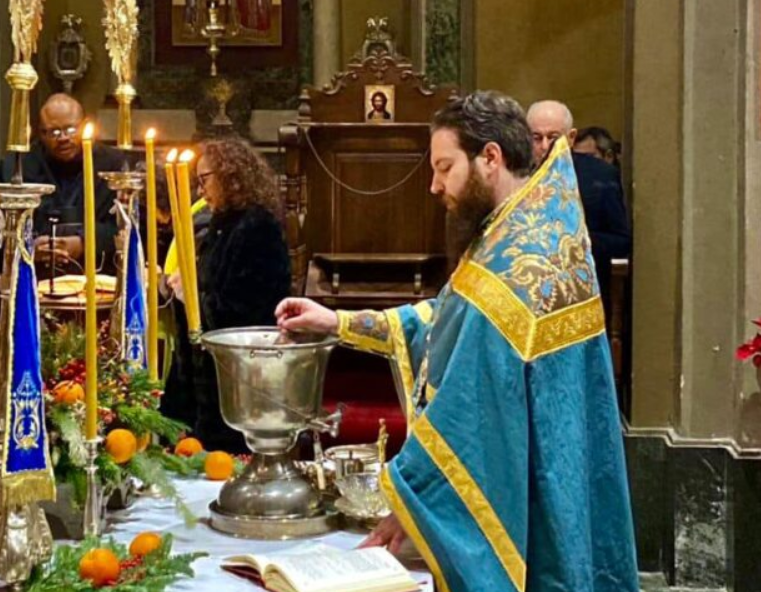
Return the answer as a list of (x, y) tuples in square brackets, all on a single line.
[(389, 533), (302, 314)]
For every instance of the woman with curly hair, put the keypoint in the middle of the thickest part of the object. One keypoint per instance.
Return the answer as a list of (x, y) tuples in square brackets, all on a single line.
[(243, 272)]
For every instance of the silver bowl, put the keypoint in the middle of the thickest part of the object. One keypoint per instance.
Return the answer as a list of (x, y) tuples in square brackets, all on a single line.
[(353, 458), (362, 492)]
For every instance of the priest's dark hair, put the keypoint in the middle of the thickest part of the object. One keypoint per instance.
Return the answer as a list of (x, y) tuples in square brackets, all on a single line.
[(489, 116)]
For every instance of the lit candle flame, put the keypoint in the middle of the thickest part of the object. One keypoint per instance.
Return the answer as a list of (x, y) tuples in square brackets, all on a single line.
[(187, 155), (89, 131), (150, 134), (172, 156)]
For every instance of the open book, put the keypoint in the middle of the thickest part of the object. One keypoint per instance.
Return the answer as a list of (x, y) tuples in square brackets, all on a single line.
[(320, 568)]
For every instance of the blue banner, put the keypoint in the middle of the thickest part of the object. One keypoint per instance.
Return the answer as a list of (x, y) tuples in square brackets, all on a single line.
[(27, 474), (135, 303)]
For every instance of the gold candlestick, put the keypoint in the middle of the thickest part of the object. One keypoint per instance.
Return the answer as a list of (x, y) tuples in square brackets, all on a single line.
[(25, 538), (120, 23), (382, 441), (26, 22)]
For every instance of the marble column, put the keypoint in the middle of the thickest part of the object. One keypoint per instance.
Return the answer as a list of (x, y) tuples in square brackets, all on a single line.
[(418, 39), (327, 40)]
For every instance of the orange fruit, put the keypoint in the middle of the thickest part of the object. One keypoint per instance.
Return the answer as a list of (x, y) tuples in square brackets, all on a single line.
[(218, 466), (121, 445), (144, 543), (188, 447), (100, 566), (68, 392), (143, 441)]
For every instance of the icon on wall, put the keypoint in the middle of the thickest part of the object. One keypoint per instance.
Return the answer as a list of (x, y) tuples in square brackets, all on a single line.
[(379, 103), (249, 22)]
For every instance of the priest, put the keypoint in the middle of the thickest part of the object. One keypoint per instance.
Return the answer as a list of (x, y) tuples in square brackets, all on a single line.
[(513, 475)]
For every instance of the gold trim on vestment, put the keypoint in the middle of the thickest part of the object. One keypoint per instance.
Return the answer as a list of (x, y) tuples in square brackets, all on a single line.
[(531, 336), (424, 310), (402, 359), (560, 147), (474, 500), (358, 340), (430, 392), (408, 523)]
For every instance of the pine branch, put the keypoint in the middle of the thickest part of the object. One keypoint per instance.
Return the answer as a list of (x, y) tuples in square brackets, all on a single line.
[(159, 569), (143, 420), (71, 433), (151, 472)]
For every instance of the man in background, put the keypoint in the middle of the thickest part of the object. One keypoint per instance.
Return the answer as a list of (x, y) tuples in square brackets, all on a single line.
[(599, 186), (56, 158)]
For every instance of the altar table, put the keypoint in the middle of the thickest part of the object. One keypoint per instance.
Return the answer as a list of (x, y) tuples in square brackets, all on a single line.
[(159, 516)]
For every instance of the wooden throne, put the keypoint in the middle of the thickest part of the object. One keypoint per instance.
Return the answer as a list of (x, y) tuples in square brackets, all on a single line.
[(363, 227)]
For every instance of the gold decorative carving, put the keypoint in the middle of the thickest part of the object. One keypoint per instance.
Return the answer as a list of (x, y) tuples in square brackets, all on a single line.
[(120, 24), (26, 22)]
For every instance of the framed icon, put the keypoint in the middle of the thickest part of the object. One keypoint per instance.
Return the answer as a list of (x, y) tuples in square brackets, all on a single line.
[(379, 103)]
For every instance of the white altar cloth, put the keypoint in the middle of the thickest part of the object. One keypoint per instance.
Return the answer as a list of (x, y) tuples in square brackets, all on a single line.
[(159, 516)]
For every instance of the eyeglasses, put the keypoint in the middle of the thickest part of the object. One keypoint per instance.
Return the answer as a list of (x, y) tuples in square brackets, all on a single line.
[(59, 132), (202, 178)]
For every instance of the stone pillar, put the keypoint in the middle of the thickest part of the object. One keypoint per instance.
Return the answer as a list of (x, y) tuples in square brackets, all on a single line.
[(327, 40), (713, 200), (657, 213), (697, 282)]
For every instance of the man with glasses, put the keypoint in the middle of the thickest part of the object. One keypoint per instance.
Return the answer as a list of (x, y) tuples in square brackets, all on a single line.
[(56, 158)]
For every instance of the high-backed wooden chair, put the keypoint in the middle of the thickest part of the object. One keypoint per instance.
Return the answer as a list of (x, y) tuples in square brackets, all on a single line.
[(363, 228)]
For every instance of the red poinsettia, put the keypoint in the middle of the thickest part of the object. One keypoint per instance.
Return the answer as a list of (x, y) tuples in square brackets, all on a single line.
[(751, 348)]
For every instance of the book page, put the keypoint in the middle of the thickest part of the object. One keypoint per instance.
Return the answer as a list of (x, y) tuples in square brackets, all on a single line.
[(260, 562), (372, 569)]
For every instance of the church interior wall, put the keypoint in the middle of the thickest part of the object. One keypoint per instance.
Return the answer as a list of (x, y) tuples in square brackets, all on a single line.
[(566, 50), (748, 424)]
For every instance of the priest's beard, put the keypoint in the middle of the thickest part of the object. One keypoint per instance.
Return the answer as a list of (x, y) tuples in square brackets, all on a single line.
[(464, 220)]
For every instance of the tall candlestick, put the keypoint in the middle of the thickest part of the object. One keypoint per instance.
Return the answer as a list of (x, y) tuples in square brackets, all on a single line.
[(91, 319), (153, 259), (190, 282)]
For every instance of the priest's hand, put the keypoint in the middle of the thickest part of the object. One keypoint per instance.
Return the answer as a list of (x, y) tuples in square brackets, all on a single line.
[(389, 533), (302, 314), (175, 283)]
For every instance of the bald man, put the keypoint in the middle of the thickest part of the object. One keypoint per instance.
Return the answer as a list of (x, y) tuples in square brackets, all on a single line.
[(599, 187), (549, 120), (56, 158)]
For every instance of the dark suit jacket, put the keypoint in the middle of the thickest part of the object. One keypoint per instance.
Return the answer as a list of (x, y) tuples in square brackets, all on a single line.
[(605, 213), (68, 199)]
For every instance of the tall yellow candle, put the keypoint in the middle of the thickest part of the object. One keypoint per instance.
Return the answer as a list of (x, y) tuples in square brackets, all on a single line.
[(174, 204), (153, 259), (91, 319), (171, 183), (189, 282)]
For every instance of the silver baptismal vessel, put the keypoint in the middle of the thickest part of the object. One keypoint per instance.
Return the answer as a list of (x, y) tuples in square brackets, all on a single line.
[(270, 389)]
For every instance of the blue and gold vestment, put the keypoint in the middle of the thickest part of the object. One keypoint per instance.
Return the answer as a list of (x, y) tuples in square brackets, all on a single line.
[(513, 476)]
